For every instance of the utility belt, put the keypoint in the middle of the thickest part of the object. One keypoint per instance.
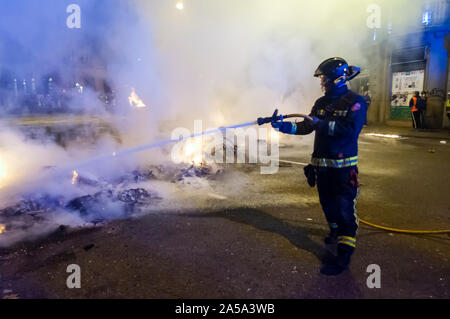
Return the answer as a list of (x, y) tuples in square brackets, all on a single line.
[(310, 170)]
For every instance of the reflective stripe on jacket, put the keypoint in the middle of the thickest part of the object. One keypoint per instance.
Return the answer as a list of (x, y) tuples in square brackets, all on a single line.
[(336, 163), (414, 106)]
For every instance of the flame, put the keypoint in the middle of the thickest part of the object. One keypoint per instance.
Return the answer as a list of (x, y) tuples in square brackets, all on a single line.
[(135, 100), (2, 229), (74, 177), (193, 151)]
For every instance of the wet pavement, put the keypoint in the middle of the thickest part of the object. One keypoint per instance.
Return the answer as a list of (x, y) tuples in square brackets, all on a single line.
[(260, 238)]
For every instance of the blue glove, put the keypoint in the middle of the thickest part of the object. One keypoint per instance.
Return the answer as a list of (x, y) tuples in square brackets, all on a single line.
[(314, 120), (285, 127)]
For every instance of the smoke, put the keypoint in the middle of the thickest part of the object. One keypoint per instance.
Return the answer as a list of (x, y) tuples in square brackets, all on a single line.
[(235, 60), (224, 62), (219, 61)]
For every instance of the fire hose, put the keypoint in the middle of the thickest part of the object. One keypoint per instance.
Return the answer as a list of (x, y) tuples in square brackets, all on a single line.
[(406, 231), (276, 117)]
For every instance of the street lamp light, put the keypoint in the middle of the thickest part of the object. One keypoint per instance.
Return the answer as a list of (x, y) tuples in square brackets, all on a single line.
[(180, 5)]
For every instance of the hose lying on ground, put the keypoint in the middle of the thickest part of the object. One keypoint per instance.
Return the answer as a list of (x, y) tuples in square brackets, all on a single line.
[(406, 231), (395, 230)]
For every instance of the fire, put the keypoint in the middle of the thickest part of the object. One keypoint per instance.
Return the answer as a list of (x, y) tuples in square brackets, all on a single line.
[(189, 152), (2, 229), (74, 177), (135, 100), (193, 151)]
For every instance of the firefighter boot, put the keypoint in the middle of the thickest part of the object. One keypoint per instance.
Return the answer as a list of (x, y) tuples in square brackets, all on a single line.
[(332, 237), (341, 262), (344, 255)]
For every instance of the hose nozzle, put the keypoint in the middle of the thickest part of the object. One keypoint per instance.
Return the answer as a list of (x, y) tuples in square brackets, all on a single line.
[(274, 118)]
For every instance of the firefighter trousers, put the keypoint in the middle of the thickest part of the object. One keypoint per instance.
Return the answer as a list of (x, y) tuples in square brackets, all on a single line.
[(338, 190)]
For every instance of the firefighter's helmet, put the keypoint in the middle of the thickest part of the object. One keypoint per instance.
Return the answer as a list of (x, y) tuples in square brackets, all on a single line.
[(337, 71)]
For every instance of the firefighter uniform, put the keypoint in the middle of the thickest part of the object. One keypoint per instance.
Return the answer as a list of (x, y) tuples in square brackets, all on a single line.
[(341, 116), (337, 118)]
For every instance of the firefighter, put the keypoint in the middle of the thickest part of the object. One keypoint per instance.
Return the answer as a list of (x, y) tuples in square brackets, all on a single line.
[(337, 118)]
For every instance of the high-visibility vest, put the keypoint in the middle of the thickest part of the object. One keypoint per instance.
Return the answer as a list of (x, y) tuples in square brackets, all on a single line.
[(414, 107)]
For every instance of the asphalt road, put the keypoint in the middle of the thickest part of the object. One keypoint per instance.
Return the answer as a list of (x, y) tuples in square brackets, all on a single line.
[(261, 238)]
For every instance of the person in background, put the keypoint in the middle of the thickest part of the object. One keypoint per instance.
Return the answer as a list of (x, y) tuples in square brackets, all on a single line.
[(413, 104), (422, 109), (448, 106)]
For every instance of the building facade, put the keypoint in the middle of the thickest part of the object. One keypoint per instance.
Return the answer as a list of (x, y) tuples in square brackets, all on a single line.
[(405, 62)]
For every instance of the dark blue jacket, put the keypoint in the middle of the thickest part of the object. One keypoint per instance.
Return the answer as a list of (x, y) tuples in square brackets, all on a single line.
[(342, 115)]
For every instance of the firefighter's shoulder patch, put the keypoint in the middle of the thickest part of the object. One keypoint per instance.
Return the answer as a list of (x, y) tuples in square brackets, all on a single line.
[(356, 107)]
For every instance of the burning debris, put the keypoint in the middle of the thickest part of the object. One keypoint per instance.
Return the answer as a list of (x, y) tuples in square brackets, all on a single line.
[(171, 173), (27, 213), (134, 196), (88, 204), (140, 175), (98, 207), (31, 207), (143, 175), (83, 180), (197, 171), (103, 199)]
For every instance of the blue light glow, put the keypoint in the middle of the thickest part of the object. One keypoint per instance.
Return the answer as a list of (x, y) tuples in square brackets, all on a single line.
[(426, 18)]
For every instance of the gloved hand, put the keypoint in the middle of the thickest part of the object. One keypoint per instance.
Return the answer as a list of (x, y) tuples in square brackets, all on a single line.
[(285, 127), (314, 120)]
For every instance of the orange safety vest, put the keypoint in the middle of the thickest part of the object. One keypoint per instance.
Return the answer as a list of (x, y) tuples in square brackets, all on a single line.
[(414, 107)]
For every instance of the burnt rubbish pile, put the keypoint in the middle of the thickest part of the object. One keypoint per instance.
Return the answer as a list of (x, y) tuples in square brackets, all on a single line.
[(103, 199)]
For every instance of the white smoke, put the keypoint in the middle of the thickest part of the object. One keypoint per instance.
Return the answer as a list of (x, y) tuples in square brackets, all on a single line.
[(224, 62)]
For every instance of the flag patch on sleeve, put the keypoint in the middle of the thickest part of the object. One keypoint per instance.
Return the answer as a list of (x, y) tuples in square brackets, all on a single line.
[(356, 107)]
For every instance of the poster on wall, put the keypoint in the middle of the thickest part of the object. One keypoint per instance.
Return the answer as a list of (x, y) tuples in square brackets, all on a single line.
[(404, 84)]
